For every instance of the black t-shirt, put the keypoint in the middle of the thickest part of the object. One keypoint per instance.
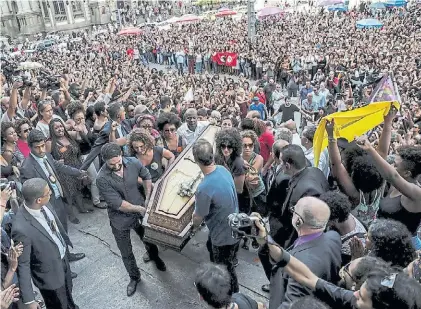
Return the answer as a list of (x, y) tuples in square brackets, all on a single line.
[(243, 301), (288, 112)]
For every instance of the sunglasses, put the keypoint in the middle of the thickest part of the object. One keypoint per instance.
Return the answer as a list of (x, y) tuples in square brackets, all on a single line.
[(223, 146), (345, 270), (248, 145), (27, 130)]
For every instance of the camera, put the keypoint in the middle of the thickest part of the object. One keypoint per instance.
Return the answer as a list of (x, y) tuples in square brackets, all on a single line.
[(4, 182), (51, 82), (242, 225)]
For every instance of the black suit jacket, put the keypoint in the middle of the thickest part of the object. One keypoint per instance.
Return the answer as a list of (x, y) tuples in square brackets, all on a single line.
[(40, 260), (322, 255), (31, 169), (309, 182), (102, 139)]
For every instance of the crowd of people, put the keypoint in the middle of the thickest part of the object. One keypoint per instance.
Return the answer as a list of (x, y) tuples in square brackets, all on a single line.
[(338, 233)]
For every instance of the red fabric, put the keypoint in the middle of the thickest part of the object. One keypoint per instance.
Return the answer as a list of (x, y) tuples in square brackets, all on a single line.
[(225, 58), (23, 147), (266, 141), (261, 96), (130, 52)]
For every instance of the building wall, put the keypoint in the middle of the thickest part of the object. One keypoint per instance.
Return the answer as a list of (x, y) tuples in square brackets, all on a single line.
[(20, 18)]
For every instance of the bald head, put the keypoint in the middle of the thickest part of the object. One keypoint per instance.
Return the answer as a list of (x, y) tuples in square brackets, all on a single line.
[(291, 125), (314, 212)]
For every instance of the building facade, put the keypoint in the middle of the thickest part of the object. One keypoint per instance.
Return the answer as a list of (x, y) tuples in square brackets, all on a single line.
[(28, 17)]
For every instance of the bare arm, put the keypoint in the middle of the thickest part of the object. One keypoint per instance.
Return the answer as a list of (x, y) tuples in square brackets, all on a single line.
[(127, 207), (169, 156), (385, 137), (239, 183)]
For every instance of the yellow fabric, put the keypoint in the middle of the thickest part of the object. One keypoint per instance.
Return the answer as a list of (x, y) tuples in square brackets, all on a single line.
[(350, 124)]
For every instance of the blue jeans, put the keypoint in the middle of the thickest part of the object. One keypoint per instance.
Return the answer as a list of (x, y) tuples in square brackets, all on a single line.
[(198, 67)]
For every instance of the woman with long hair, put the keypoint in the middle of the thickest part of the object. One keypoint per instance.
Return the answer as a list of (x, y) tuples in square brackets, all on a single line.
[(228, 153), (167, 124), (142, 146), (22, 128), (64, 148), (45, 114)]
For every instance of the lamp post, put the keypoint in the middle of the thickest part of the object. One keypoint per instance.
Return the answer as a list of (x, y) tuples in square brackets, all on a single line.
[(251, 20)]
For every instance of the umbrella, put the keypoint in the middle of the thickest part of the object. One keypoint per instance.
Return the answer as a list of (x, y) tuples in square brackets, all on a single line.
[(170, 21), (369, 23), (30, 65), (225, 12), (330, 2), (267, 11), (189, 18), (338, 7), (378, 6), (130, 31), (391, 3)]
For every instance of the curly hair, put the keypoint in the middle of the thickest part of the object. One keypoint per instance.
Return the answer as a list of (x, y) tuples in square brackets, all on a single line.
[(21, 122), (5, 125), (365, 175), (339, 205), (143, 117), (256, 125), (231, 137), (411, 159), (140, 135), (167, 118), (392, 242), (75, 107), (249, 134), (349, 155)]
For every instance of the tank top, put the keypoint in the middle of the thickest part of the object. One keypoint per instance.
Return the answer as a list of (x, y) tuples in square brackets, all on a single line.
[(366, 213), (179, 146), (391, 208), (155, 168)]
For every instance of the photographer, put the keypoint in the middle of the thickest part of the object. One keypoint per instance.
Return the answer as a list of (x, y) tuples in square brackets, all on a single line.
[(213, 285), (15, 110), (383, 288), (320, 251)]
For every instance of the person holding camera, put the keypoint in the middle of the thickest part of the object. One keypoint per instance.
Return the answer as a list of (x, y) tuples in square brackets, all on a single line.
[(216, 199), (382, 287), (319, 250)]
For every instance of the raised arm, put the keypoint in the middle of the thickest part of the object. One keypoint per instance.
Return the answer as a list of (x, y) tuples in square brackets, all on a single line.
[(384, 140)]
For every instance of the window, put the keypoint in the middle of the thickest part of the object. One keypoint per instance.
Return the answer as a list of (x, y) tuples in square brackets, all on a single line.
[(45, 9), (77, 9), (59, 7)]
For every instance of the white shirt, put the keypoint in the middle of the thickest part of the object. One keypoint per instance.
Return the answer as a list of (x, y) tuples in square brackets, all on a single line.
[(189, 135), (40, 218), (323, 160)]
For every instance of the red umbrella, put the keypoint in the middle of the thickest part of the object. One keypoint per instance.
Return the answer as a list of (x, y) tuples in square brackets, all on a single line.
[(130, 31), (226, 12), (188, 18)]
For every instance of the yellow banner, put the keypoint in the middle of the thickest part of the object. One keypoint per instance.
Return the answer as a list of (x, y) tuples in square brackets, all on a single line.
[(351, 123)]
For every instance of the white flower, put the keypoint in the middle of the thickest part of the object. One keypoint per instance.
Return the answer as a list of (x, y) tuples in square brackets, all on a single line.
[(154, 166)]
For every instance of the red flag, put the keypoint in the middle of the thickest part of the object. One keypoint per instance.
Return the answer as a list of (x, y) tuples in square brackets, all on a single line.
[(225, 58)]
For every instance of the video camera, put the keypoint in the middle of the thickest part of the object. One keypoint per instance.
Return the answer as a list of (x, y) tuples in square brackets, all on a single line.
[(242, 225), (47, 81), (4, 182)]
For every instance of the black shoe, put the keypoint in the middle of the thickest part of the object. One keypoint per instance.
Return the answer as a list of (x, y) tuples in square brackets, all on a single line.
[(74, 219), (159, 263), (101, 205), (74, 275), (266, 288), (146, 258), (76, 256), (131, 287)]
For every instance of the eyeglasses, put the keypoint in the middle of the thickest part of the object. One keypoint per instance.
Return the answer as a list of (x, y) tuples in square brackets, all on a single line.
[(292, 210), (248, 145), (223, 146), (172, 130), (345, 270)]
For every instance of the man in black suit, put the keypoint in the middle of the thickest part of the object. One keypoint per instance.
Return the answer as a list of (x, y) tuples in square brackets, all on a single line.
[(114, 130), (40, 164), (44, 259), (319, 251), (304, 181)]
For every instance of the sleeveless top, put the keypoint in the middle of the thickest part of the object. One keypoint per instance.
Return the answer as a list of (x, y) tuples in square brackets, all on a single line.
[(155, 168), (179, 146), (391, 208), (366, 213)]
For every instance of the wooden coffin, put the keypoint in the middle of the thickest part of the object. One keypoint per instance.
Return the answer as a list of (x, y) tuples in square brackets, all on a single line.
[(169, 212)]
